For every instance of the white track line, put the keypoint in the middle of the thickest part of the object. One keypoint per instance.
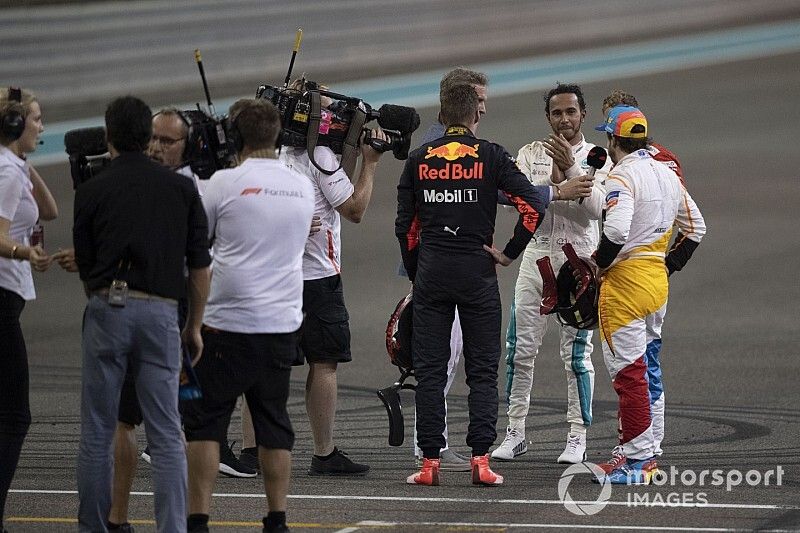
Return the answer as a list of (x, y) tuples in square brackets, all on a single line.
[(459, 500), (377, 524)]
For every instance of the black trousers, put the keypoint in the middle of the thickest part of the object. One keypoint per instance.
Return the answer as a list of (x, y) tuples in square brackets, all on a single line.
[(15, 412), (443, 283)]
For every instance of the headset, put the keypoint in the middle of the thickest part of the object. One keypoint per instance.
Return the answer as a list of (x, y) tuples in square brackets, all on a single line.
[(190, 143), (13, 122), (233, 133)]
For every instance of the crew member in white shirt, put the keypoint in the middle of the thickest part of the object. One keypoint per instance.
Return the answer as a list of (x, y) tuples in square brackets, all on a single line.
[(254, 310)]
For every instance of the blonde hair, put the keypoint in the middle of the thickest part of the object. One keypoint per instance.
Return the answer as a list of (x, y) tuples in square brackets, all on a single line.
[(7, 105), (302, 84), (27, 99)]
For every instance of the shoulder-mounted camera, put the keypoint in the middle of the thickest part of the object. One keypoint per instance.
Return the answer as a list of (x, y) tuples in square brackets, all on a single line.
[(207, 147), (313, 116)]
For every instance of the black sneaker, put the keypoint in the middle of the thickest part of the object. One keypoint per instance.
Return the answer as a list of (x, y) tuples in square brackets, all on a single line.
[(122, 528), (337, 465), (282, 528), (249, 458), (230, 466)]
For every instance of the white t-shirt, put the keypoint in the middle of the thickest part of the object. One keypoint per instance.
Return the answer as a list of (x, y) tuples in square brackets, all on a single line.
[(322, 257), (259, 214), (17, 205)]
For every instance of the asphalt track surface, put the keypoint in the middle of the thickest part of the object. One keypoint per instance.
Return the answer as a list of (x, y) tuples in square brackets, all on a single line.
[(730, 370)]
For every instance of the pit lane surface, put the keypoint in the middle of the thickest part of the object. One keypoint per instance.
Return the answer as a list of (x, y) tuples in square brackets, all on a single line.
[(730, 369)]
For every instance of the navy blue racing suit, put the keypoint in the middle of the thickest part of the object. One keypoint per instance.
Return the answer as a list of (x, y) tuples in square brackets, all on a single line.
[(446, 208)]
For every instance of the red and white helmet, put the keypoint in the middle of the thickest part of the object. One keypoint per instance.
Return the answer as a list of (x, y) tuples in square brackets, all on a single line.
[(398, 334), (574, 293)]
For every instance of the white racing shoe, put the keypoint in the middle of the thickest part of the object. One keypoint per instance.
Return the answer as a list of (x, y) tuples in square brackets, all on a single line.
[(513, 445), (450, 461), (575, 451)]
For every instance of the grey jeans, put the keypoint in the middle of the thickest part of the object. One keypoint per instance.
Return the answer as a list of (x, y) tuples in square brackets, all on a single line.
[(145, 335)]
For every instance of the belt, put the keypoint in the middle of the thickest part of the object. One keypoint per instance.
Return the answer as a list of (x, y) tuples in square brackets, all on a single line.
[(139, 295)]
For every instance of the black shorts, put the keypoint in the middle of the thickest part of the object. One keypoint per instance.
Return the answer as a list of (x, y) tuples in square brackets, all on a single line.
[(129, 411), (325, 334), (256, 365)]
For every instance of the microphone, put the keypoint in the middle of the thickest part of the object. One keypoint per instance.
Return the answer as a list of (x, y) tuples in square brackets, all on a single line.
[(397, 117), (596, 159)]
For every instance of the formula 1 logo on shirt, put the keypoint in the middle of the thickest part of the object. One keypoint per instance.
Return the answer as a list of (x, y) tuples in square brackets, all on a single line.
[(270, 192)]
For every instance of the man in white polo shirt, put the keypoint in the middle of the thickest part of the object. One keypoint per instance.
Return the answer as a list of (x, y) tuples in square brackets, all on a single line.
[(259, 215), (325, 336)]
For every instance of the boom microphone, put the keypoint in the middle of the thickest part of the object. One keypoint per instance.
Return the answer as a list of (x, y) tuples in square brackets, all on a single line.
[(397, 117), (86, 141), (596, 159)]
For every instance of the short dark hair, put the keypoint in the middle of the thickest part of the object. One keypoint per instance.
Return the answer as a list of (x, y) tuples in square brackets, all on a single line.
[(629, 145), (564, 88), (257, 121), (461, 75), (459, 104), (129, 124)]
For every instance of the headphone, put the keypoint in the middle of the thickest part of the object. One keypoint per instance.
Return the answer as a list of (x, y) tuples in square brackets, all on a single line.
[(13, 122), (233, 133), (190, 142)]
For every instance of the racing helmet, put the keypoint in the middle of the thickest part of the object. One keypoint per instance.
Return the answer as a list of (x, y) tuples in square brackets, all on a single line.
[(577, 295), (398, 335)]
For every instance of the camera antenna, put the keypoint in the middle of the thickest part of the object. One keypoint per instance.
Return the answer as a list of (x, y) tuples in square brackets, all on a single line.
[(199, 61), (298, 37)]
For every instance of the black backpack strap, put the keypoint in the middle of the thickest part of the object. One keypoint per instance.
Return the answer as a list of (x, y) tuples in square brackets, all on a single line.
[(350, 148), (312, 135)]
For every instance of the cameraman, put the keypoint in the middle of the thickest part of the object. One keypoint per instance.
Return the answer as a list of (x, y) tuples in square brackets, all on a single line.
[(169, 144), (254, 310), (325, 335), (136, 226)]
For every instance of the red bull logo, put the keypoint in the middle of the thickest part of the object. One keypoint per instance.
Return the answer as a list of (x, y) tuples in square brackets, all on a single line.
[(452, 151), (452, 171)]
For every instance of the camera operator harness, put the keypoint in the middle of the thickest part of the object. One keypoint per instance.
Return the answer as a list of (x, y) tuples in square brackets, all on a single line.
[(350, 142)]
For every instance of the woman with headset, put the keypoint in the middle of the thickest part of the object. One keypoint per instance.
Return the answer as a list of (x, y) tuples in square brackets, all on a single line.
[(24, 199)]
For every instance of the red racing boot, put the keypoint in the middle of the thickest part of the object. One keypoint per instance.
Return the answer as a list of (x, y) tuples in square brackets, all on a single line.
[(428, 475), (617, 460), (482, 474)]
